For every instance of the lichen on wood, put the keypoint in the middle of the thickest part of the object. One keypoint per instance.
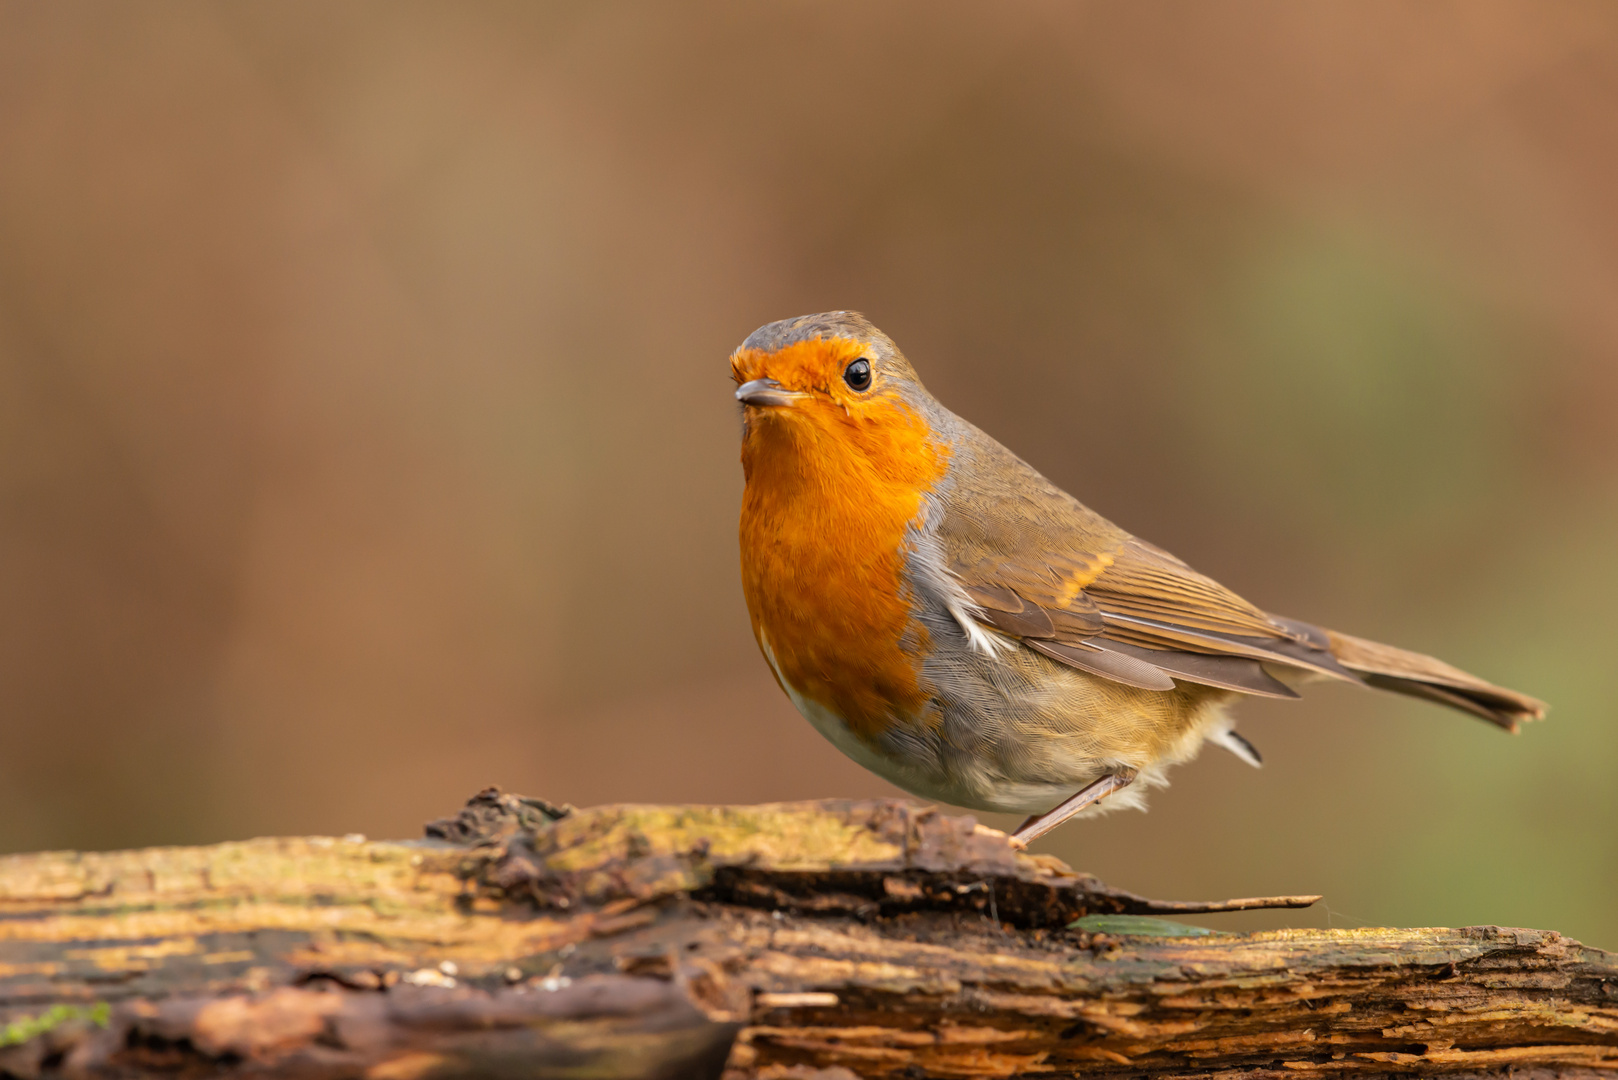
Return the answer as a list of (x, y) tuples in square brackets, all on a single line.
[(879, 938)]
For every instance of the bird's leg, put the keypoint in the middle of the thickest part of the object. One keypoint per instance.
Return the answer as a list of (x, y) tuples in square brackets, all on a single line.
[(1040, 824)]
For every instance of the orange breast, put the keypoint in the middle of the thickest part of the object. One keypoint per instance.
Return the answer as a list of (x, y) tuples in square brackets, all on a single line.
[(828, 503)]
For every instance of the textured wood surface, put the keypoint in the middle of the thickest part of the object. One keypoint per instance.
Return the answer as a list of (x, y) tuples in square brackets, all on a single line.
[(875, 938)]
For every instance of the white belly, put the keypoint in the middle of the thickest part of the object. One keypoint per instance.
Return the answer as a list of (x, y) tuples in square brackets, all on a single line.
[(924, 768)]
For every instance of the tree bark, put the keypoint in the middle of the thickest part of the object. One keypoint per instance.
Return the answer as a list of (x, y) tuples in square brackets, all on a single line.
[(813, 940)]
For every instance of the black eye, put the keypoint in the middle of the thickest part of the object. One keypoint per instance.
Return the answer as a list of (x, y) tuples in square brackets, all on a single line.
[(858, 374)]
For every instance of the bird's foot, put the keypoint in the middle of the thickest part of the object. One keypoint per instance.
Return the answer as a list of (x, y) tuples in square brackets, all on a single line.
[(1040, 824)]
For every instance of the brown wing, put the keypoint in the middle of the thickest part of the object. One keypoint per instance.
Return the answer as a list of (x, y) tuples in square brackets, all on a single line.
[(1135, 615), (1148, 620), (1044, 608), (1151, 600), (1045, 569), (1049, 571)]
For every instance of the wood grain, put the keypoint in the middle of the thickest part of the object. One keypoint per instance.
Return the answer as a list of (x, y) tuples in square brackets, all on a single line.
[(868, 938)]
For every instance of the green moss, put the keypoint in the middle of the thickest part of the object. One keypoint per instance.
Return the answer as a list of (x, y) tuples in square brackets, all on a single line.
[(21, 1030), (1138, 926), (782, 836)]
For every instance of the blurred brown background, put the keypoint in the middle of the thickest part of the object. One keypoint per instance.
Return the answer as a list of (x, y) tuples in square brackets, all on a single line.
[(366, 434)]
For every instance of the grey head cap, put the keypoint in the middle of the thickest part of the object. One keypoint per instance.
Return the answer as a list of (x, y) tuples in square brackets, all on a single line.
[(884, 354)]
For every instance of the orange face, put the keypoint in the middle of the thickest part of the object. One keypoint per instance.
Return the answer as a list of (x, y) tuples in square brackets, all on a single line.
[(836, 478), (815, 367)]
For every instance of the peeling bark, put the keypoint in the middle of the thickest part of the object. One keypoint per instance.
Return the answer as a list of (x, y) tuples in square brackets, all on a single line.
[(809, 941)]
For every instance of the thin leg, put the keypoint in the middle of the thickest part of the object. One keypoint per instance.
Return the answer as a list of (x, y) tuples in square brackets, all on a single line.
[(1040, 824)]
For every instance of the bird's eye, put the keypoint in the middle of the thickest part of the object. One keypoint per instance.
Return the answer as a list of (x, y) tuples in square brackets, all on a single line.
[(858, 374)]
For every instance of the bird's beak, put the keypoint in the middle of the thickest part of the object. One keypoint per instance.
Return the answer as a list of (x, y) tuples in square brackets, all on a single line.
[(766, 392)]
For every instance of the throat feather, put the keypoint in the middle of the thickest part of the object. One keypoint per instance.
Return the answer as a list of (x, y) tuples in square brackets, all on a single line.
[(825, 534)]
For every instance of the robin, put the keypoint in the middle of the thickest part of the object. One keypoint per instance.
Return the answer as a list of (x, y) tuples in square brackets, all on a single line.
[(959, 625)]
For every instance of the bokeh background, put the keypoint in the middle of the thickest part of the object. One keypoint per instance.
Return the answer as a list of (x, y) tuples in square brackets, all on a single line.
[(366, 435)]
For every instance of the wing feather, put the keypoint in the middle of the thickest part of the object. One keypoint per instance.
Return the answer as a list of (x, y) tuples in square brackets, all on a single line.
[(1109, 665), (1123, 610), (1226, 672), (1044, 569)]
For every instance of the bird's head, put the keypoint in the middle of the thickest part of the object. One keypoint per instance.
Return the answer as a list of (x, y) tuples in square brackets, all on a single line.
[(833, 387)]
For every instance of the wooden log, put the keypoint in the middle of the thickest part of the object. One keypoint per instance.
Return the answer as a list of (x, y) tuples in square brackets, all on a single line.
[(807, 940)]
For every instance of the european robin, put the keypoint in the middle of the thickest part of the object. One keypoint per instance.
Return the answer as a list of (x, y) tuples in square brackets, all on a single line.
[(956, 623)]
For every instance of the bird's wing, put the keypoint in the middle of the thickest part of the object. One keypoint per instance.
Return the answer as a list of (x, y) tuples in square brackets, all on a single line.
[(1044, 569), (1138, 616)]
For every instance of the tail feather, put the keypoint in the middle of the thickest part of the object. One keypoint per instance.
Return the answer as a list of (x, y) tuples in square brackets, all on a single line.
[(1405, 672)]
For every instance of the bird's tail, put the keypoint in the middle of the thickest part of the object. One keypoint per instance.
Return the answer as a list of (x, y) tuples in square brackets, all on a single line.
[(1403, 672)]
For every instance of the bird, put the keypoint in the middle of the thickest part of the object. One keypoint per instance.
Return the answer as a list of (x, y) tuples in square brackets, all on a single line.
[(962, 627)]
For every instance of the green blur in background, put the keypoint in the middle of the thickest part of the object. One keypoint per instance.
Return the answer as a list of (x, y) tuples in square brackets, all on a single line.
[(366, 434)]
